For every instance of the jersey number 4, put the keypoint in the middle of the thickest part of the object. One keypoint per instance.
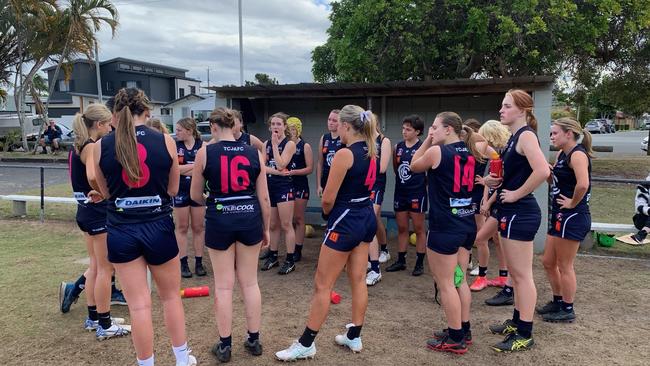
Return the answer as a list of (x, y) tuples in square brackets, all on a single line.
[(234, 179), (467, 178), (371, 177)]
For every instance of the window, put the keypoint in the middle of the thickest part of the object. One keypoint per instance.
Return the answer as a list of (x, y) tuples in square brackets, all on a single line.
[(185, 111), (125, 67), (64, 85), (192, 89), (159, 71), (181, 92), (136, 68), (165, 112), (109, 86), (148, 69), (131, 84)]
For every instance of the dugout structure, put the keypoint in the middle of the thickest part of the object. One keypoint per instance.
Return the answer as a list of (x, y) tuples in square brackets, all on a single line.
[(391, 101)]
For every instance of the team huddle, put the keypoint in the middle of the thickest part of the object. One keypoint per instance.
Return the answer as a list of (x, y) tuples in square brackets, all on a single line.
[(240, 196)]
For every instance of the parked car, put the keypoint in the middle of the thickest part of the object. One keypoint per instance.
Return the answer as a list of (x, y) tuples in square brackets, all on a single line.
[(595, 126), (204, 130), (644, 144)]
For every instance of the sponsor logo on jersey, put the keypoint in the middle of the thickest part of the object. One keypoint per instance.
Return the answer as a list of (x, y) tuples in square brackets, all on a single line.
[(502, 223), (404, 171), (233, 148), (333, 236), (235, 208), (460, 202), (80, 196), (138, 202)]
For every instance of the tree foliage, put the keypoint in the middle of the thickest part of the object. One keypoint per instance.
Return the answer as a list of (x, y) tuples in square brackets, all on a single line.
[(262, 79), (383, 40)]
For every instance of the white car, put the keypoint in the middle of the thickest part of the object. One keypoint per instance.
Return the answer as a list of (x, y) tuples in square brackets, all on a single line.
[(644, 144)]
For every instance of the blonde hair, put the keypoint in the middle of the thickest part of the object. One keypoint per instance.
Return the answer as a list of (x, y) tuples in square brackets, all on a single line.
[(129, 102), (190, 124), (570, 124), (157, 125), (464, 132), (495, 133), (83, 123), (362, 122), (296, 123)]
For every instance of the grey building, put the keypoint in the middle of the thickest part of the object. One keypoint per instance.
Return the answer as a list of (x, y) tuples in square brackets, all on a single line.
[(161, 83)]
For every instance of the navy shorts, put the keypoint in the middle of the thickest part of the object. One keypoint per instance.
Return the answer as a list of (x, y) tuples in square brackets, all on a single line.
[(413, 203), (377, 196), (91, 218), (153, 240), (280, 195), (349, 225), (183, 200), (519, 225), (570, 225), (220, 239), (448, 243), (301, 192)]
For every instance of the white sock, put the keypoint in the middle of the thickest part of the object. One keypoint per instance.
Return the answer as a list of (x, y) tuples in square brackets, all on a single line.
[(147, 362), (181, 353)]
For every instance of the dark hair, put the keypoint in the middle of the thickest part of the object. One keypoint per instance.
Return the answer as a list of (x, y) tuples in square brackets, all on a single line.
[(110, 104), (473, 124), (466, 133), (223, 117), (415, 121), (129, 102)]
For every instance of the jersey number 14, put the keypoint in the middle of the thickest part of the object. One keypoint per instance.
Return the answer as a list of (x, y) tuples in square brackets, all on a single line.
[(467, 178)]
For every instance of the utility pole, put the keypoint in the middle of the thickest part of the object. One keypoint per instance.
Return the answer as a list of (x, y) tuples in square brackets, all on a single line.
[(208, 80), (99, 79), (241, 50)]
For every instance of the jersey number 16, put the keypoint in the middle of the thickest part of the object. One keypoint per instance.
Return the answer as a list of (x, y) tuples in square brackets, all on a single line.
[(234, 179)]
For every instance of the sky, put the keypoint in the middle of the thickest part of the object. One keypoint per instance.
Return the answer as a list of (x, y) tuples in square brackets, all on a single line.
[(278, 35)]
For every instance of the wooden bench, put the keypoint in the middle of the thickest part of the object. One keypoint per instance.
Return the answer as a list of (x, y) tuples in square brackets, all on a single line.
[(588, 241), (19, 207)]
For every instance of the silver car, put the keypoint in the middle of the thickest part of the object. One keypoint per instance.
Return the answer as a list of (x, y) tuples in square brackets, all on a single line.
[(595, 127), (644, 144)]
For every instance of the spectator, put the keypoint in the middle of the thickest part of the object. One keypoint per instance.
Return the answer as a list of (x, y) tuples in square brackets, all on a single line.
[(51, 136), (641, 217)]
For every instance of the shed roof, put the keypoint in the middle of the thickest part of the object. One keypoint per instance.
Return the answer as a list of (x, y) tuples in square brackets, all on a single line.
[(391, 88)]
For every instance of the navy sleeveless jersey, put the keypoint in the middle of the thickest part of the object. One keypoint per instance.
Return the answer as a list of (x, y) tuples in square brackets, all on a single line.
[(146, 199), (450, 190), (564, 181), (245, 138), (186, 156), (380, 183), (299, 162), (80, 185), (360, 178), (516, 171), (407, 182), (231, 171), (276, 181), (330, 147)]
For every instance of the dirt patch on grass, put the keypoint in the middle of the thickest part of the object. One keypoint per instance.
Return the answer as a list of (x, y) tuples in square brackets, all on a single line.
[(612, 307)]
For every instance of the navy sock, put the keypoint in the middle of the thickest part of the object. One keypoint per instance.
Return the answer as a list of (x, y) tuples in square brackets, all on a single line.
[(374, 266), (252, 337), (482, 271), (79, 286), (503, 272), (567, 306), (401, 257), (290, 257), (225, 341), (509, 290), (466, 327), (456, 335), (557, 299), (299, 248), (354, 332), (198, 261), (113, 287), (92, 313), (184, 261), (383, 247), (515, 316), (525, 329), (419, 261), (274, 255), (308, 337), (104, 319)]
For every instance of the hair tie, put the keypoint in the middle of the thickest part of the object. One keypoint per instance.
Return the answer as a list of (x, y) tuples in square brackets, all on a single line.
[(365, 116)]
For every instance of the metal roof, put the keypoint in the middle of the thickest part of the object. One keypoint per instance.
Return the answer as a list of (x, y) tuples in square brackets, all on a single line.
[(390, 88)]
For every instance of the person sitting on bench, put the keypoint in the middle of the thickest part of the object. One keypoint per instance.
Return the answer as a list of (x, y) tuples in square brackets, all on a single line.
[(51, 136)]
